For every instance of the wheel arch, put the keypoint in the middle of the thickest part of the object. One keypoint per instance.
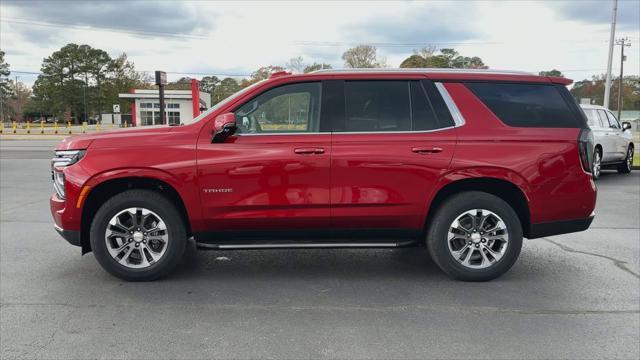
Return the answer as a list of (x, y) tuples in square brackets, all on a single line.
[(505, 189), (100, 191)]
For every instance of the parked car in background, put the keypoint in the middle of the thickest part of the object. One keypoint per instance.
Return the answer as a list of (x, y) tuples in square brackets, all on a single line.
[(613, 141), (466, 163)]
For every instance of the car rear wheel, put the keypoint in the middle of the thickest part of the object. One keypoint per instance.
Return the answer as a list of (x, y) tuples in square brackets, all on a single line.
[(138, 235), (597, 163), (475, 236), (627, 165)]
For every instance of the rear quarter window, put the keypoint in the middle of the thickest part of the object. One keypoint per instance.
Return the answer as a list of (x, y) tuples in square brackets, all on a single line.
[(527, 105)]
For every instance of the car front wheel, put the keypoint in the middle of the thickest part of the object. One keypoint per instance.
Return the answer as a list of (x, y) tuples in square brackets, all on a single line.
[(475, 236), (138, 235)]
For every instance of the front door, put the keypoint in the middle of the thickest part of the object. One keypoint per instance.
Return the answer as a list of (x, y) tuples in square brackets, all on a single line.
[(388, 150), (273, 174)]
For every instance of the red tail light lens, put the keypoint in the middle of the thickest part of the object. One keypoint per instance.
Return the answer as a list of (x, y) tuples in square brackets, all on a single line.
[(585, 147)]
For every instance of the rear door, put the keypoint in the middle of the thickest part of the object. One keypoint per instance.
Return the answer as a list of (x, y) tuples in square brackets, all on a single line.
[(599, 129), (391, 141)]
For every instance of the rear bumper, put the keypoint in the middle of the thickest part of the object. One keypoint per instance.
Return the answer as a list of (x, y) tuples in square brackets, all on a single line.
[(72, 236), (559, 227)]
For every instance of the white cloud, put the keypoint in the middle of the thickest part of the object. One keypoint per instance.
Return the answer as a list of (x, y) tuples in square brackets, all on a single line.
[(238, 37)]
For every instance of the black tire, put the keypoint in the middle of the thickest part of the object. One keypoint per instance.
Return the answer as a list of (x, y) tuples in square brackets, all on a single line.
[(595, 172), (155, 202), (445, 215), (627, 165)]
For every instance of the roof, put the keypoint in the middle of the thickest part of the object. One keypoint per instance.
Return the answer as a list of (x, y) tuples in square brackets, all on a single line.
[(437, 74)]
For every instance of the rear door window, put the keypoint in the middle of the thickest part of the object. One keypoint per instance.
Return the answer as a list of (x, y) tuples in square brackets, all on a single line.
[(527, 105), (377, 106), (592, 117)]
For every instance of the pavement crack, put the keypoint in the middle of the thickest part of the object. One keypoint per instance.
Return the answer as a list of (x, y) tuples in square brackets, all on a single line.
[(622, 265)]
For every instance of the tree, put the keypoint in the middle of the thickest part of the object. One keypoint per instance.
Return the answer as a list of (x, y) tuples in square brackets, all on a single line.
[(447, 58), (594, 89), (209, 84), (78, 81), (6, 88), (184, 83), (264, 73), (19, 101), (296, 65), (227, 87), (363, 56), (316, 66), (553, 72)]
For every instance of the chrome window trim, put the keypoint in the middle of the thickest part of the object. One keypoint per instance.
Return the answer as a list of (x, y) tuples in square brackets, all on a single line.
[(353, 132), (458, 119), (391, 132)]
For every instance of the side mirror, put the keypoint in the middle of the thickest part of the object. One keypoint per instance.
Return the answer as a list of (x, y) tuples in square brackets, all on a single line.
[(626, 125), (223, 126)]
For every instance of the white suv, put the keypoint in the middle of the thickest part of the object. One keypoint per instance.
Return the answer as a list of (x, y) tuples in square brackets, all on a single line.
[(613, 141)]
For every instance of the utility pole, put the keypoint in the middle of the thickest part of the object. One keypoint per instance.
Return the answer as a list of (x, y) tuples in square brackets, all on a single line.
[(84, 96), (607, 85), (622, 42), (17, 100)]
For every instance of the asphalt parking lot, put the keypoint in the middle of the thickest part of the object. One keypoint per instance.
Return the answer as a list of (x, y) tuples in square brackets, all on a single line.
[(571, 296)]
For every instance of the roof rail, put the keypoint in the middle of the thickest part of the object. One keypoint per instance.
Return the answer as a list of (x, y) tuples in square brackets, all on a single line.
[(422, 70), (278, 74)]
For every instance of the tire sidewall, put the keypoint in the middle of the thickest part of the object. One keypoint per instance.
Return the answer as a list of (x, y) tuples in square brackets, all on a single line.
[(597, 176), (449, 211), (151, 201)]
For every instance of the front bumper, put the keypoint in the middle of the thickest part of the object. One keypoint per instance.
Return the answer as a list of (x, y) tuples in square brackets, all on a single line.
[(559, 227), (72, 236)]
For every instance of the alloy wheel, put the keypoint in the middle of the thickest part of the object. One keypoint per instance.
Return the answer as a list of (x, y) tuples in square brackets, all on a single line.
[(630, 158), (478, 238), (136, 237)]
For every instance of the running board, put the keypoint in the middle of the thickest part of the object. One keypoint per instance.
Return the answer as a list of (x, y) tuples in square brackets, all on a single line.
[(303, 245)]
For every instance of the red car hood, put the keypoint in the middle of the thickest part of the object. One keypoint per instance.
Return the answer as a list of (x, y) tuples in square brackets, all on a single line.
[(83, 141)]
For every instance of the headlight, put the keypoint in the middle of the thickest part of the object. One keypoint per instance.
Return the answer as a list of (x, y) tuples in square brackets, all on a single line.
[(60, 161), (67, 157)]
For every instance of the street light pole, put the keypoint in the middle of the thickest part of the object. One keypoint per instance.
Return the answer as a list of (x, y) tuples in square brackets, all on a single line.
[(607, 86), (622, 42)]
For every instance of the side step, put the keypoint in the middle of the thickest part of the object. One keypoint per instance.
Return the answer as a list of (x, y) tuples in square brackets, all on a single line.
[(302, 245)]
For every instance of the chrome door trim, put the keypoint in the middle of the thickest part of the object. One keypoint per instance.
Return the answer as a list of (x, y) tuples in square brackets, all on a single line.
[(458, 119)]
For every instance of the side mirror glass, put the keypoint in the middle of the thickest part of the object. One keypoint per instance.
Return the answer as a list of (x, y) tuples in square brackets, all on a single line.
[(626, 125), (223, 126)]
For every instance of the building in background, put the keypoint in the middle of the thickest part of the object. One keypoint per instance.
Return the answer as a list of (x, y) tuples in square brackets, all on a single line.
[(182, 106)]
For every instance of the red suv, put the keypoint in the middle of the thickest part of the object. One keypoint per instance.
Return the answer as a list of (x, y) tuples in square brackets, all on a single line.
[(466, 163)]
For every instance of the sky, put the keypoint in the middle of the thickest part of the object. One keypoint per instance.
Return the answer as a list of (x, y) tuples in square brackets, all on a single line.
[(234, 38)]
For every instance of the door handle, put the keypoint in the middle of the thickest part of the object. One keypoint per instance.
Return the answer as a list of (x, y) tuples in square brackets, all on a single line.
[(426, 150), (308, 151)]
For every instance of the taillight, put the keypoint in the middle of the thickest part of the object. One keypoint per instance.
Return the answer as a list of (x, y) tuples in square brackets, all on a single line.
[(585, 147)]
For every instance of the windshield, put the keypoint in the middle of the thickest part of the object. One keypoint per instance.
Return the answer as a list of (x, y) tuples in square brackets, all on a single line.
[(227, 100)]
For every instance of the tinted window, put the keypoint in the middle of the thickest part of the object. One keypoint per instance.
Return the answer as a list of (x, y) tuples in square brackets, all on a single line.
[(526, 105), (424, 117), (377, 106), (613, 122), (289, 108)]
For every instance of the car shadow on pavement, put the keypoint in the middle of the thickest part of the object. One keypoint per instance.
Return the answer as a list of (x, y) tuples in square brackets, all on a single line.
[(411, 262)]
